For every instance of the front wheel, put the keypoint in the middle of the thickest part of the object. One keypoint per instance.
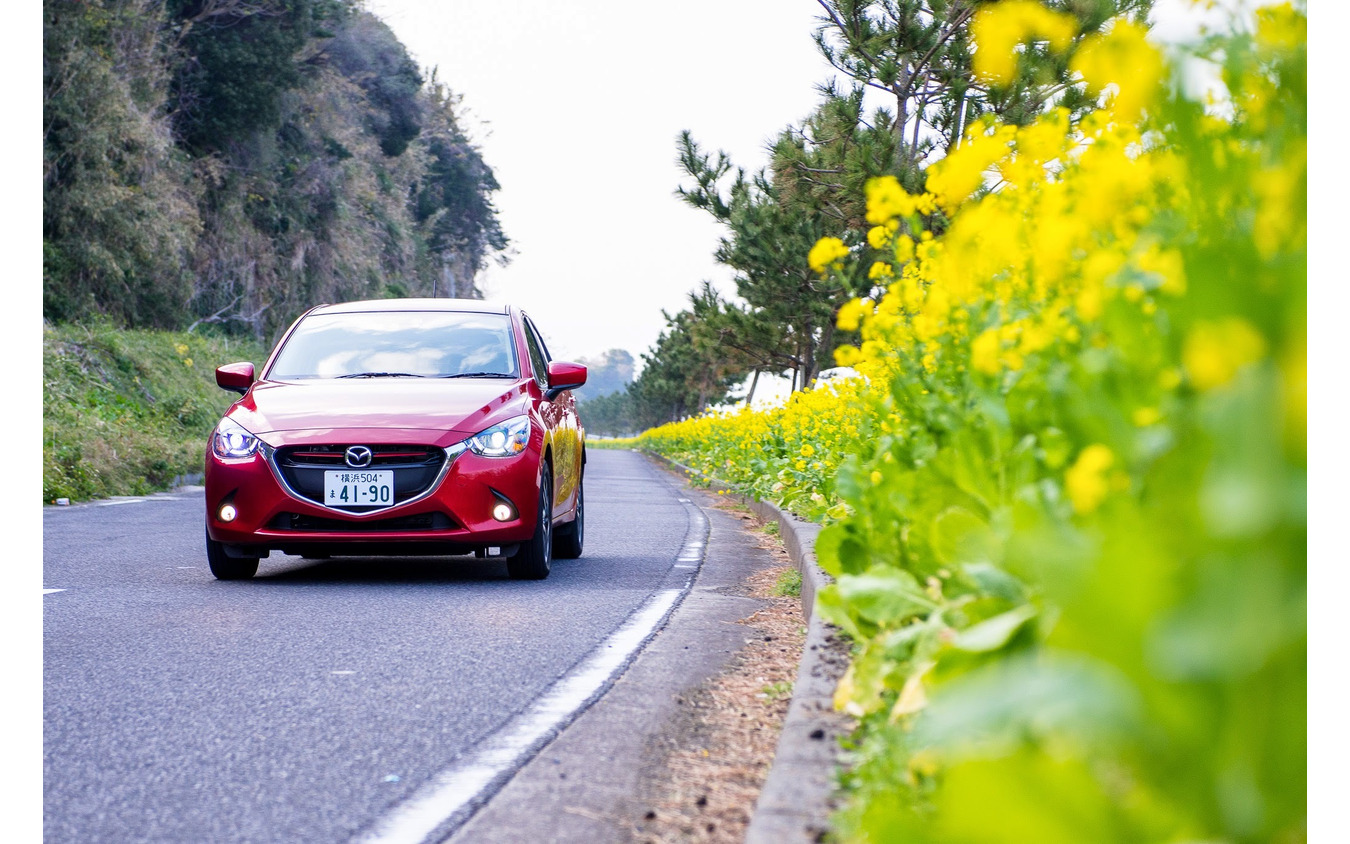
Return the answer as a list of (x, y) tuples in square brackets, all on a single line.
[(568, 538), (225, 567), (535, 557)]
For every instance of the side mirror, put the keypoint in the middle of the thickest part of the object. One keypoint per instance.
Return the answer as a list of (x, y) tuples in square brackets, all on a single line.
[(564, 376), (236, 377)]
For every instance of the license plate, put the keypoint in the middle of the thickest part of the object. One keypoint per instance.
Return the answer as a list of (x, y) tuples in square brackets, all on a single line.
[(346, 489)]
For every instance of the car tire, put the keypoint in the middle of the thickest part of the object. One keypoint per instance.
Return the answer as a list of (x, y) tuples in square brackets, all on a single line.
[(567, 538), (535, 557), (225, 567)]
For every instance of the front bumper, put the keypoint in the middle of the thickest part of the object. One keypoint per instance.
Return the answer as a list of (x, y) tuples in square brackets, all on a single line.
[(454, 517)]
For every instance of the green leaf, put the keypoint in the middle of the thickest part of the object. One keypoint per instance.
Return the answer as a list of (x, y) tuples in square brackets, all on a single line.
[(832, 608), (993, 633), (1024, 797), (839, 550), (998, 705), (886, 596), (994, 581), (961, 538)]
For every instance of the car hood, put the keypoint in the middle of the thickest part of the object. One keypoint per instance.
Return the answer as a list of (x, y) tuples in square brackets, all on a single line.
[(282, 412)]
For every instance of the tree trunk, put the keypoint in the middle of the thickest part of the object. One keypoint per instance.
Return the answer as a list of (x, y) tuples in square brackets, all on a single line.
[(827, 338), (809, 359)]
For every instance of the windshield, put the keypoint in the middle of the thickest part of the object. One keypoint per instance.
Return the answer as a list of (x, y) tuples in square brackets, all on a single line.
[(376, 344)]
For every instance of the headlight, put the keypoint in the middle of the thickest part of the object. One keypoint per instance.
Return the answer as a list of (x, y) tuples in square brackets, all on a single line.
[(231, 442), (504, 440)]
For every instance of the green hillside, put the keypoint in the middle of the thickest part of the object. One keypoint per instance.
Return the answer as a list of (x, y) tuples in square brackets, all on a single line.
[(125, 412), (232, 164)]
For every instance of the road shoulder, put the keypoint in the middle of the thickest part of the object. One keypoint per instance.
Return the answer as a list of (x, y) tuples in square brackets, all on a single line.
[(801, 791), (596, 780)]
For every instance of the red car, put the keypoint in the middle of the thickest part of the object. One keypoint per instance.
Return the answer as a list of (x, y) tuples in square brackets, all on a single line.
[(399, 427)]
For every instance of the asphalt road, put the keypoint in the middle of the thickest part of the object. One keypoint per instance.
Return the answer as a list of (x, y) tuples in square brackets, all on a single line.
[(314, 701)]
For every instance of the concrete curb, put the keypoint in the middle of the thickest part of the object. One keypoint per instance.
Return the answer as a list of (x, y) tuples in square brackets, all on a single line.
[(189, 480), (799, 794)]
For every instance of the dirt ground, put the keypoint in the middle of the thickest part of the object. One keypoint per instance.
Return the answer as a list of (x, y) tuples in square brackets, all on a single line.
[(719, 754)]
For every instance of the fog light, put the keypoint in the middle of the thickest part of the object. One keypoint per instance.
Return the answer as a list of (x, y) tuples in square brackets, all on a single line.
[(227, 513), (503, 512)]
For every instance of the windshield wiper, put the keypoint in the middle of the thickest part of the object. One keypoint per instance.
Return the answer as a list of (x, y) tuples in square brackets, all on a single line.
[(382, 375), (478, 375)]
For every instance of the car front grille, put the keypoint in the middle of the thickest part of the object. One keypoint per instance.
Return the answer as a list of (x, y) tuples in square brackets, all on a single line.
[(319, 524), (415, 469)]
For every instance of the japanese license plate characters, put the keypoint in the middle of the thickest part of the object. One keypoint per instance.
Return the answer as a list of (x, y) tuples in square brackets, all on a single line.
[(358, 488)]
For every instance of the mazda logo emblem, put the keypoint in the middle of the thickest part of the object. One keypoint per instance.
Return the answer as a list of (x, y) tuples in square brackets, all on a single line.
[(358, 457)]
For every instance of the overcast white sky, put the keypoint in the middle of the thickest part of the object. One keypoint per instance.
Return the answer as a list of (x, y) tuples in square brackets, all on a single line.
[(577, 105)]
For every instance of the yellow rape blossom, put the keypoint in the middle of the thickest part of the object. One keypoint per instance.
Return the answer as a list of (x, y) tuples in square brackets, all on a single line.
[(1214, 352), (1280, 29), (984, 352), (1123, 58), (886, 200), (998, 28), (953, 179), (827, 252), (1145, 416), (847, 356), (851, 314), (1282, 190), (1035, 273), (1086, 480), (1189, 220), (1168, 266), (904, 249)]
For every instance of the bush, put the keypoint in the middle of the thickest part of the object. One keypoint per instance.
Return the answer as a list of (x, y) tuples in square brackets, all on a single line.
[(788, 455), (1070, 536)]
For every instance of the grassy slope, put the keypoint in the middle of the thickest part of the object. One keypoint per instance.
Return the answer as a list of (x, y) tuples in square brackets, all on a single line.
[(125, 412)]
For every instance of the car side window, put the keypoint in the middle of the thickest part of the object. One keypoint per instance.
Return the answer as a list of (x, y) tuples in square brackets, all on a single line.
[(539, 338), (538, 354)]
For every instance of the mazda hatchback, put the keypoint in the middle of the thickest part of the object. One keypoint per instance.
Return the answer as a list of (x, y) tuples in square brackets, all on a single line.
[(399, 427)]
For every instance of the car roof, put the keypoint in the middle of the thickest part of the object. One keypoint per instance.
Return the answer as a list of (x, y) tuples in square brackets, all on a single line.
[(477, 306)]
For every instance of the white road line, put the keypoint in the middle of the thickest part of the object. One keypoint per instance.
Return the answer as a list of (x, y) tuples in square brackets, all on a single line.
[(50, 591), (458, 786), (468, 781), (123, 501)]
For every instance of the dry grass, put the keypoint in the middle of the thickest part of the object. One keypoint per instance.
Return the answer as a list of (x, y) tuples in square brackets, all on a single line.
[(712, 782)]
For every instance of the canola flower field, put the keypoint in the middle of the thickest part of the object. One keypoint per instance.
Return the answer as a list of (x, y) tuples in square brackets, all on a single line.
[(1066, 505)]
